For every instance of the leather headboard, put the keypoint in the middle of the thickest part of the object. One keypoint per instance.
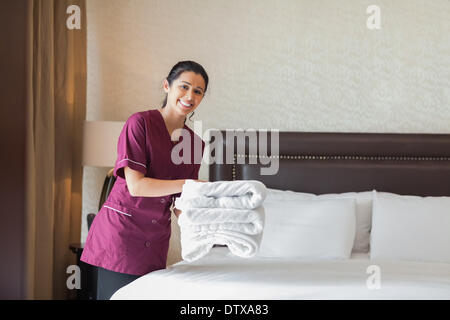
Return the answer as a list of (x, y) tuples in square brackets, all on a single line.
[(414, 164)]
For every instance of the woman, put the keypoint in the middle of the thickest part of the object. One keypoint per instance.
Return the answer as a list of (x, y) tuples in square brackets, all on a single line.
[(129, 236)]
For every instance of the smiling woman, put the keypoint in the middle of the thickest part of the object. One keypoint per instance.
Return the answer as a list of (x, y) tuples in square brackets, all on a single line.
[(185, 86), (129, 236)]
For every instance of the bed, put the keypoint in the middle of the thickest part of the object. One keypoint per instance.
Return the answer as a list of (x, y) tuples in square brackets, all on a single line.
[(415, 167)]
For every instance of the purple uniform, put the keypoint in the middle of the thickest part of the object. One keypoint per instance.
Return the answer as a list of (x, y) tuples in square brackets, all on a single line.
[(131, 234)]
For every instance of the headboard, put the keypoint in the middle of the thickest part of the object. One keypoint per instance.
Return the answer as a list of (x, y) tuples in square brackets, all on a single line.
[(409, 164)]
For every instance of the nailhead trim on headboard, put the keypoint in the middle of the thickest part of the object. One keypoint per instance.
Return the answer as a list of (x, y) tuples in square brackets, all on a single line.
[(400, 158)]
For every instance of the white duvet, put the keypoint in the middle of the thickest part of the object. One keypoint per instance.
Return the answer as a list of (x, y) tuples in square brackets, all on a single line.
[(220, 275)]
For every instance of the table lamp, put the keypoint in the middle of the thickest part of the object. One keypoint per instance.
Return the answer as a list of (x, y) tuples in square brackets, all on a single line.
[(100, 150)]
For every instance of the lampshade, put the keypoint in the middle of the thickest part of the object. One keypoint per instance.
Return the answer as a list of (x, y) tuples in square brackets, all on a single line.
[(100, 142)]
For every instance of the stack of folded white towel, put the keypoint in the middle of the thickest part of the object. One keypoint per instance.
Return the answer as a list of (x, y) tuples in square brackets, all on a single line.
[(227, 213)]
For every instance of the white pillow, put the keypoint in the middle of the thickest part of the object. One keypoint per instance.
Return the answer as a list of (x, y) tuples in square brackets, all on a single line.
[(410, 228), (363, 211), (310, 229)]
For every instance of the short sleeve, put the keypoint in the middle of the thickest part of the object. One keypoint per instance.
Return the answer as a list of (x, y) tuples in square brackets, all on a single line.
[(131, 146)]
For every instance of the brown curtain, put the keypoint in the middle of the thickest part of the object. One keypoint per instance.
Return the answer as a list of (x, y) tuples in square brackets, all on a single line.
[(56, 108)]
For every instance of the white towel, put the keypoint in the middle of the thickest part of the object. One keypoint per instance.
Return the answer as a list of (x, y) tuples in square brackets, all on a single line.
[(198, 239), (239, 194), (222, 212), (214, 219)]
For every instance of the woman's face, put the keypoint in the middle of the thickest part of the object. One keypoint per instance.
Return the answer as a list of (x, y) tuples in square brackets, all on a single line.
[(185, 93)]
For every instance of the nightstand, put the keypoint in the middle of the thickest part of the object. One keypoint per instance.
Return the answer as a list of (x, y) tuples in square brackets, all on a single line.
[(88, 289)]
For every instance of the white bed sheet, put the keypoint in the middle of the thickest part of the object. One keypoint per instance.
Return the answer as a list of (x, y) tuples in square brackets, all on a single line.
[(222, 276)]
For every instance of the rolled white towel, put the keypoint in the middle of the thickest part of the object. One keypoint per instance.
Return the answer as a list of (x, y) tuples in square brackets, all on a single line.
[(238, 194), (240, 230), (214, 219), (195, 245)]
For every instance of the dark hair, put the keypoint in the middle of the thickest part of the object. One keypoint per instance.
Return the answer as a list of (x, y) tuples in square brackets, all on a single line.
[(181, 67)]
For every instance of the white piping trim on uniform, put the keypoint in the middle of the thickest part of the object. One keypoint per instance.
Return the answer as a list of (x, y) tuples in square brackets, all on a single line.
[(118, 211), (133, 162)]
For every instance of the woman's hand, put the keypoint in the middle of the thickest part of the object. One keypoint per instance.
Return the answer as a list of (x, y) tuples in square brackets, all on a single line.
[(177, 212)]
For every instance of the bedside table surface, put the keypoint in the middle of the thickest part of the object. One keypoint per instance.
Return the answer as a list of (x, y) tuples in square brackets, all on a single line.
[(76, 247)]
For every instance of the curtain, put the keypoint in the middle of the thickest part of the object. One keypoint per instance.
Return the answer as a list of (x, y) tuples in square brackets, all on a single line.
[(56, 108)]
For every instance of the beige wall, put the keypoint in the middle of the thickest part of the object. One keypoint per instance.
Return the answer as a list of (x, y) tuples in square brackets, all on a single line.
[(291, 65)]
